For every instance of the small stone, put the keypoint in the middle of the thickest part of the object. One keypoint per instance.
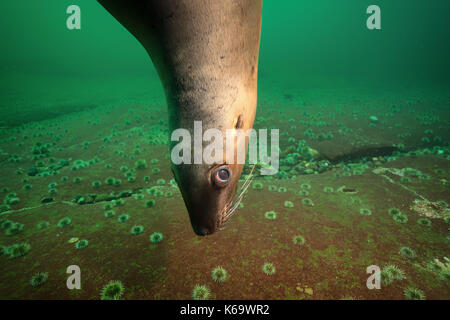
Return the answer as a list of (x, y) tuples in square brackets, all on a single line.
[(72, 240), (373, 119), (47, 200), (309, 291)]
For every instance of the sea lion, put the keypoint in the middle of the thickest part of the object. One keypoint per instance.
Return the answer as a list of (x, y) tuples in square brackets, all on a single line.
[(206, 55)]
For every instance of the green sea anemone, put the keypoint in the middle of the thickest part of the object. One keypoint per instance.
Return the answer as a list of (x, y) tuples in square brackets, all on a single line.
[(168, 194), (303, 193), (43, 225), (119, 202), (96, 184), (138, 196), (405, 180), (307, 202), (365, 212), (424, 222), (110, 181), (400, 218), (18, 250), (81, 244), (39, 279), (107, 206), (298, 240), (219, 274), (407, 252), (64, 222), (328, 190), (394, 211), (13, 200), (160, 181), (77, 179), (156, 237), (6, 224), (395, 273), (442, 203), (257, 186), (268, 268), (150, 203), (270, 215), (109, 214), (414, 294), (305, 186), (14, 228), (112, 291), (273, 188), (282, 189), (141, 164), (137, 230), (386, 278), (123, 218), (200, 292), (155, 170), (444, 275), (288, 204), (52, 185)]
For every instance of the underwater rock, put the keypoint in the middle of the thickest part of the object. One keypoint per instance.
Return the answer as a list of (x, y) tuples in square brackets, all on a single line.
[(430, 209), (47, 200), (347, 190), (33, 171)]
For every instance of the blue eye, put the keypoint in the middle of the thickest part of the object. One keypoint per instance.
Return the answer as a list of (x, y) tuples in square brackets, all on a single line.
[(222, 176)]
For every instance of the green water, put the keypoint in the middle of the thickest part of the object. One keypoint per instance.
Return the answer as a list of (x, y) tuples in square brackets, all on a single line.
[(305, 45), (85, 176)]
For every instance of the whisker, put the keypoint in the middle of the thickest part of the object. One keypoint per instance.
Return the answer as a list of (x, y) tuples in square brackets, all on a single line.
[(231, 209)]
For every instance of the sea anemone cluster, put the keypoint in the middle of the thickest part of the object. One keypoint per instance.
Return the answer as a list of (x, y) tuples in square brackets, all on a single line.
[(17, 250), (398, 216)]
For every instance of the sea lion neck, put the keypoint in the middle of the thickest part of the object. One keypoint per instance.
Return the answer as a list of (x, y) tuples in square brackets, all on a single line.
[(206, 55)]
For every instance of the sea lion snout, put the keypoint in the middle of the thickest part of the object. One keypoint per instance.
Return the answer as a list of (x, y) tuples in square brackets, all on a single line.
[(208, 197)]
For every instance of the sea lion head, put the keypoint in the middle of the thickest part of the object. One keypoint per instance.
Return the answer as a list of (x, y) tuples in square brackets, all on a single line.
[(209, 187)]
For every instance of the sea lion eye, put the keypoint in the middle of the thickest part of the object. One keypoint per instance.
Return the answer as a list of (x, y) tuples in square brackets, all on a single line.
[(221, 176)]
